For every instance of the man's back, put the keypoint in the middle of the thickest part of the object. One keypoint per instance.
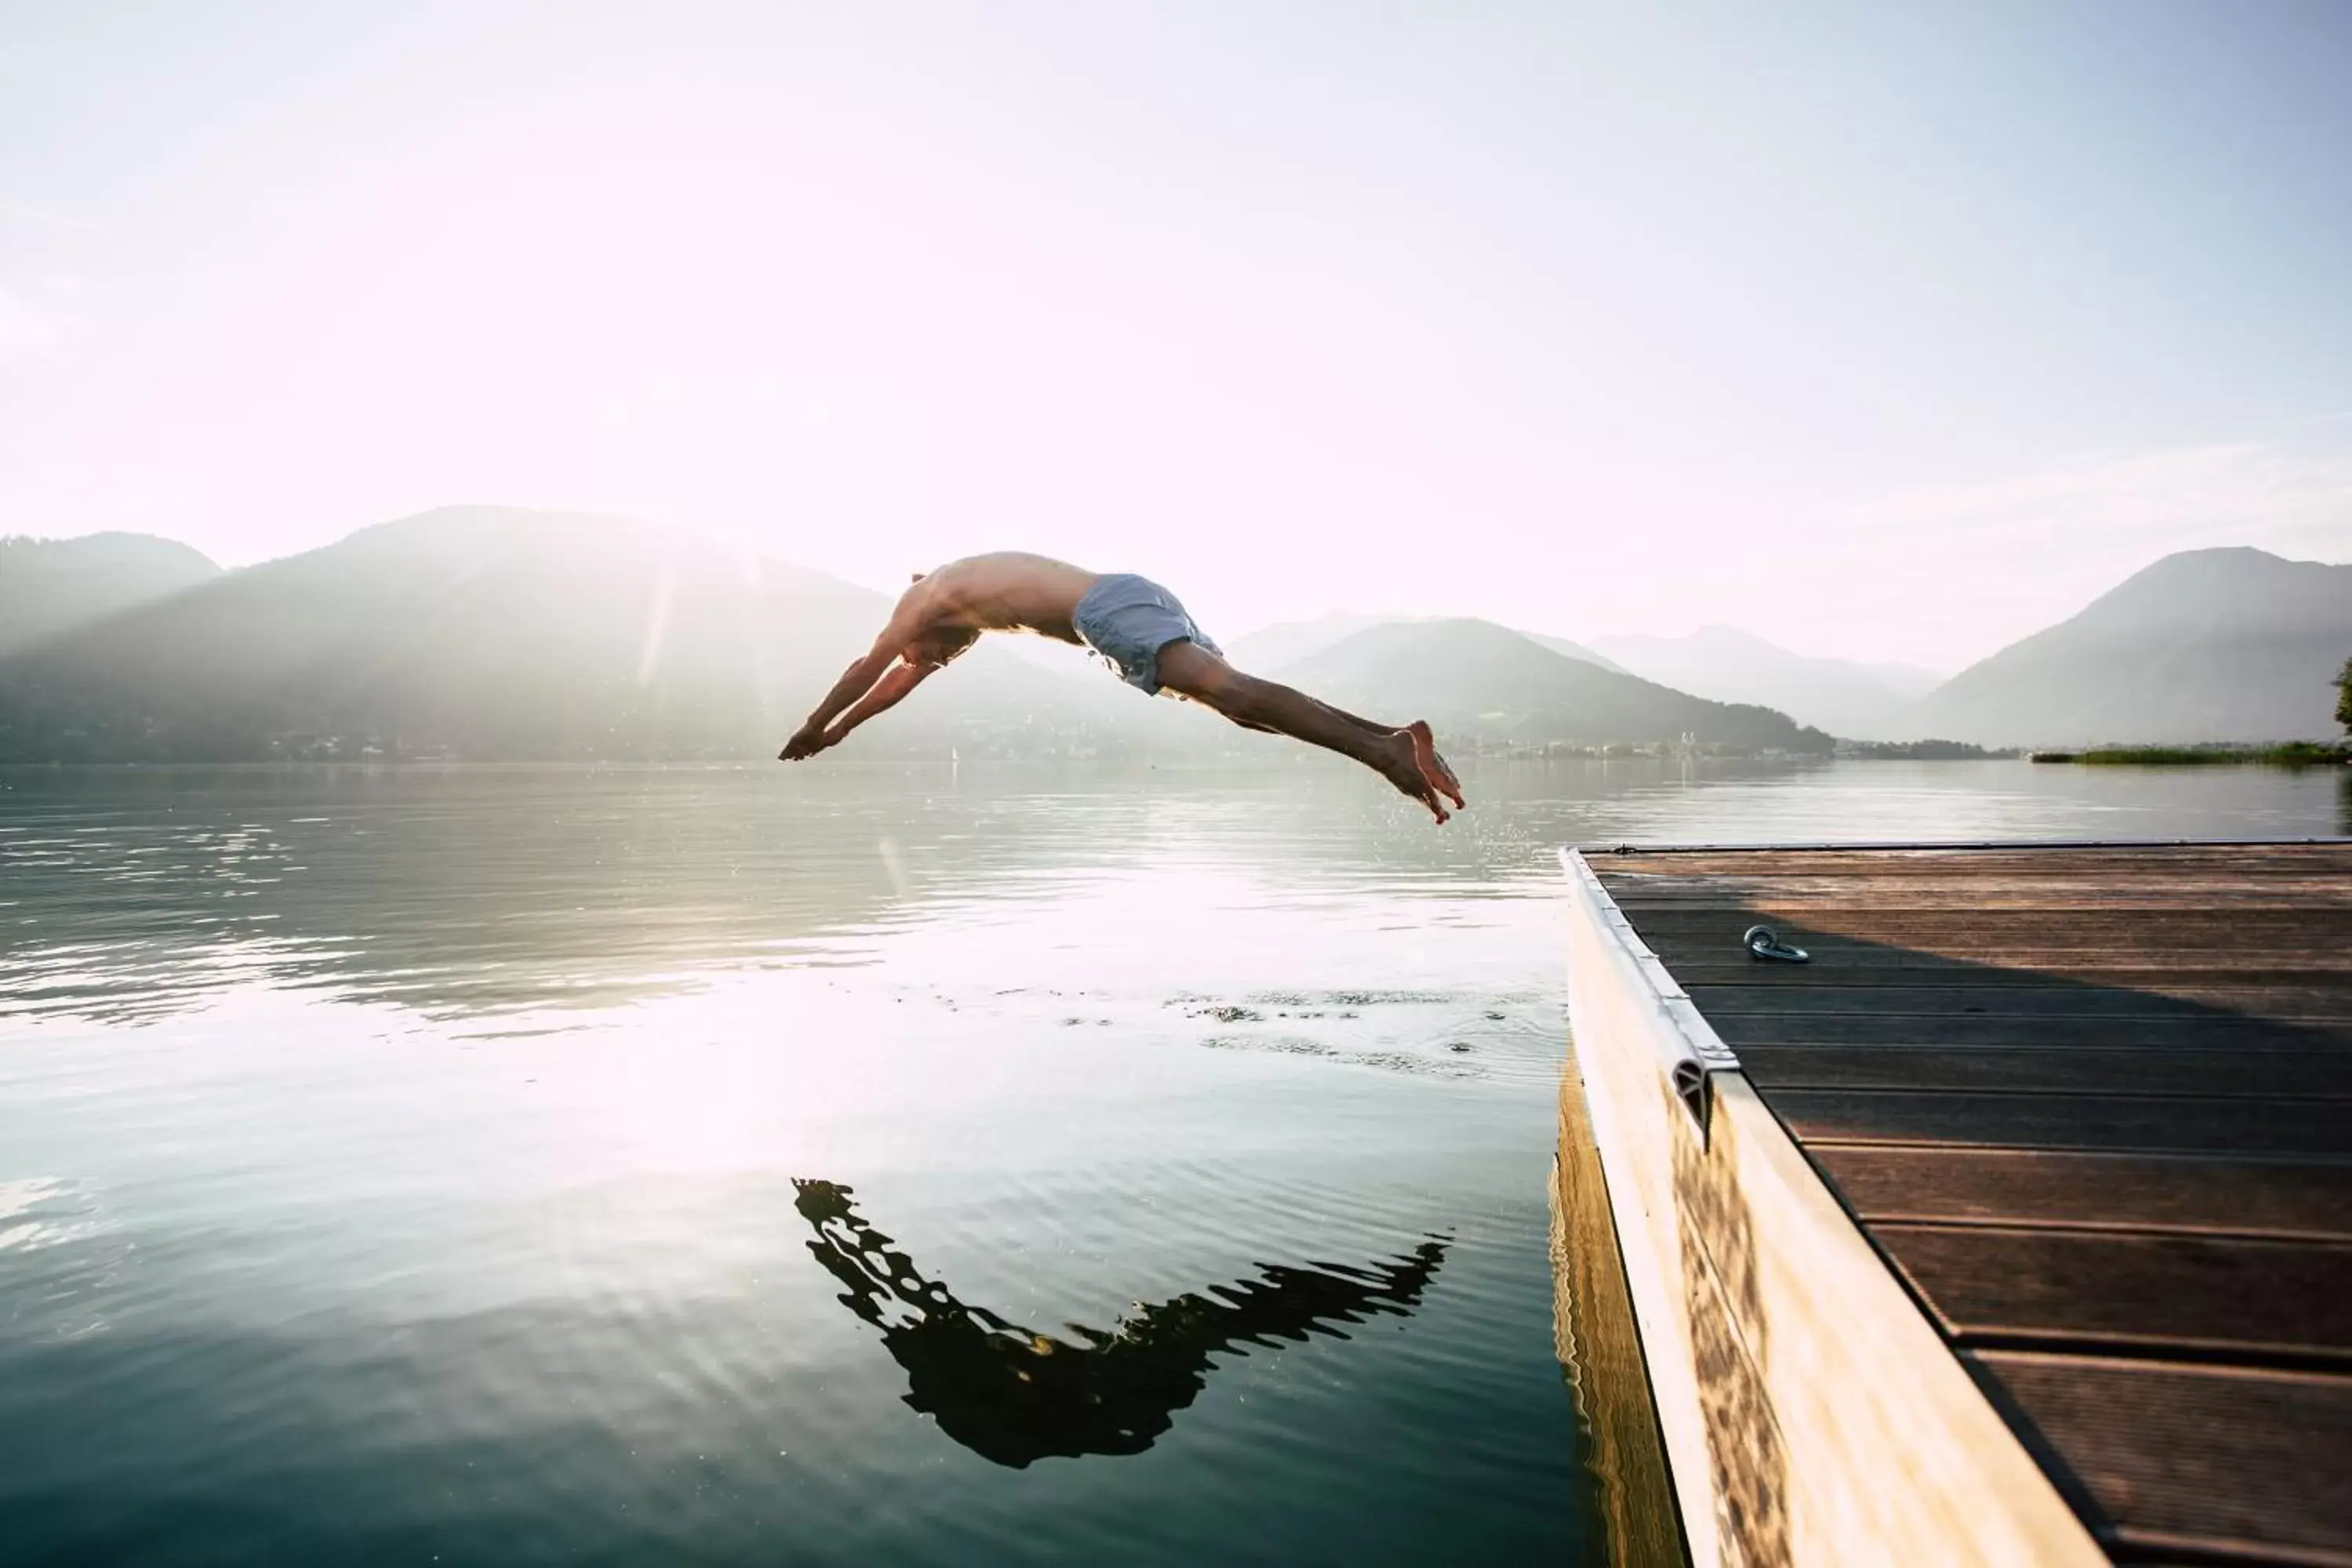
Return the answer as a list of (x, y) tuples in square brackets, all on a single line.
[(1008, 590)]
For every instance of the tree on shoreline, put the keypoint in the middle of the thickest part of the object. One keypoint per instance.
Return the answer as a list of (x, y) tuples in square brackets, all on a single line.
[(2344, 697)]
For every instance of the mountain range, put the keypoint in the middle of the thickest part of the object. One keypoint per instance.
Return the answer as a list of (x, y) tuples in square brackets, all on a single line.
[(1840, 695), (1471, 675), (2207, 645), (1721, 663), (503, 633), (2232, 645), (494, 633), (50, 585), (1280, 645)]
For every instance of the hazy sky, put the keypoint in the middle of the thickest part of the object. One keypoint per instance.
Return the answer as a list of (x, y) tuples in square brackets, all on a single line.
[(1886, 331)]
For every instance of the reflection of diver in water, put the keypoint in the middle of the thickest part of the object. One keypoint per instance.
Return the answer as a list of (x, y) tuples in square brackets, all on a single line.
[(1011, 1394)]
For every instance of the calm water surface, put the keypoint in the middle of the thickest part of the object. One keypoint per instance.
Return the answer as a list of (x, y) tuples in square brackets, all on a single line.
[(845, 1164)]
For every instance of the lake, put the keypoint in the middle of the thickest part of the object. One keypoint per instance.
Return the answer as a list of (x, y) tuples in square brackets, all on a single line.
[(843, 1163)]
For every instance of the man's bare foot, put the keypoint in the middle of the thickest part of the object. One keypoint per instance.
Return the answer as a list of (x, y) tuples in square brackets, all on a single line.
[(1399, 759), (1432, 766)]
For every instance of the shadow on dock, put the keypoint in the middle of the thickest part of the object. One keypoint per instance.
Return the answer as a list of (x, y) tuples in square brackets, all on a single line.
[(2091, 1111), (1014, 1395)]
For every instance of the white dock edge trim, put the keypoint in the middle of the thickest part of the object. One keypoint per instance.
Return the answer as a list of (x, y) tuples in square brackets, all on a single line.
[(1687, 1046)]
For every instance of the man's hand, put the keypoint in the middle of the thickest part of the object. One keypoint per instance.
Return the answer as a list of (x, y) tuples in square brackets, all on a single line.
[(803, 743)]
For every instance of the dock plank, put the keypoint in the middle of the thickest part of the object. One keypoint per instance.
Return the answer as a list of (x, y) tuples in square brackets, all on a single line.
[(2287, 1126), (2211, 863), (2315, 894), (1987, 906), (2083, 1069), (2258, 1299), (2291, 1003), (2220, 1032), (2086, 1191), (1832, 966), (2219, 1461), (2153, 932), (2284, 876), (2302, 942)]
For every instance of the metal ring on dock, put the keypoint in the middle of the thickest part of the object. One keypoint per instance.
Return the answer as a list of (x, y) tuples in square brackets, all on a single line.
[(1763, 942)]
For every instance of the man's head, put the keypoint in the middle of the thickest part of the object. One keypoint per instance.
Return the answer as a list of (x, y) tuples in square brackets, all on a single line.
[(939, 645)]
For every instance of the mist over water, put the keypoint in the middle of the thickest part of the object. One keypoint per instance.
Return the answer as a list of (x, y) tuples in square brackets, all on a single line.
[(840, 1163)]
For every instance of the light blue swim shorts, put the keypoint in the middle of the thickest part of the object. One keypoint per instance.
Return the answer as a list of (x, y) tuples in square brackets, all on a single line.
[(1129, 619)]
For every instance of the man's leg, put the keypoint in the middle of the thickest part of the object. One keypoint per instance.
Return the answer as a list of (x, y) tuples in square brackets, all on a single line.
[(1192, 670), (1431, 764)]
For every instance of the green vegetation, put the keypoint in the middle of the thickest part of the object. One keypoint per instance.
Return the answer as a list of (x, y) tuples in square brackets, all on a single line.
[(50, 586), (2292, 754), (2344, 697), (1918, 751)]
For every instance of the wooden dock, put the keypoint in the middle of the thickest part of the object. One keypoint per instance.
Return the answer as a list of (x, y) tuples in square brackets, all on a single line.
[(2013, 1226)]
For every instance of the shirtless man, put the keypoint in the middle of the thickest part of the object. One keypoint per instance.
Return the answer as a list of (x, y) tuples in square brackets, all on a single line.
[(1134, 624)]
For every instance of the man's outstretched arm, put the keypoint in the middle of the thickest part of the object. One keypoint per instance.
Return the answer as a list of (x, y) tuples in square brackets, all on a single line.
[(896, 682), (907, 622), (858, 679), (855, 682)]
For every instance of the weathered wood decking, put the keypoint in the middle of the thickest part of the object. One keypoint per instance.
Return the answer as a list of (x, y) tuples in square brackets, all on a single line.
[(2090, 1106)]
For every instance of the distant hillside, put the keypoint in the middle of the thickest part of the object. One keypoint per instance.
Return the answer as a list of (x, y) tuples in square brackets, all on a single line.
[(491, 632), (1839, 695), (1477, 678), (2210, 645), (1577, 650), (1286, 643), (51, 585)]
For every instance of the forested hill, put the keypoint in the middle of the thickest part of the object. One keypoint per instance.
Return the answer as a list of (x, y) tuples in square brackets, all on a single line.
[(48, 586), (492, 632)]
